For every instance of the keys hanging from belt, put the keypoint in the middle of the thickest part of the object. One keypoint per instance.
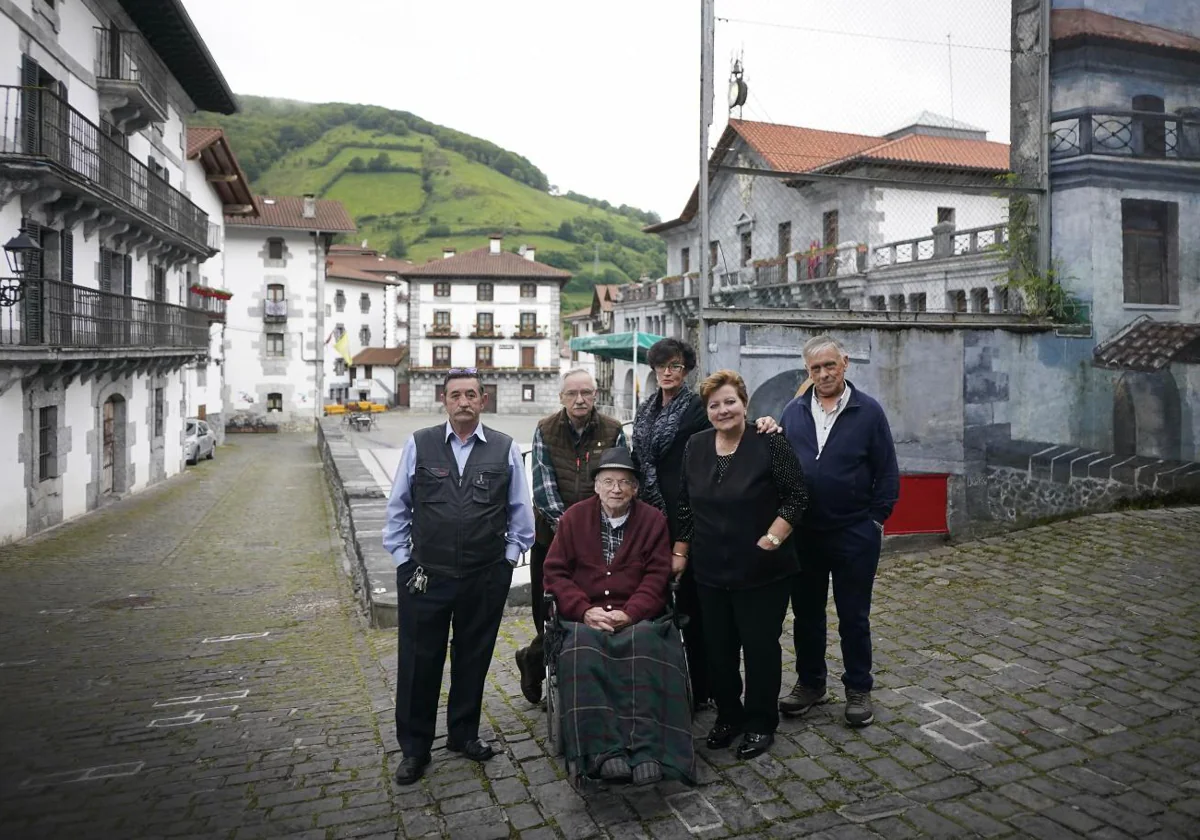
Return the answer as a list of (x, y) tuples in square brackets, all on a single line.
[(416, 584)]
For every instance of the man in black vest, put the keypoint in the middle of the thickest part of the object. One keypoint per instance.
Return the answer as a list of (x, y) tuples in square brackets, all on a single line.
[(563, 446), (458, 520)]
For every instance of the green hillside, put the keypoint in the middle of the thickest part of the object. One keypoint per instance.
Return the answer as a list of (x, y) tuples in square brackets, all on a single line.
[(414, 188)]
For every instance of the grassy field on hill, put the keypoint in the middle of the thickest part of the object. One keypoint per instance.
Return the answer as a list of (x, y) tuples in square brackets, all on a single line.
[(414, 188)]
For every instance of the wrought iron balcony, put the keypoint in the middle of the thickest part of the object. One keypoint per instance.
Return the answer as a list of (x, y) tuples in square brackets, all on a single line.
[(44, 138), (130, 78), (275, 311), (47, 313), (478, 331), (1141, 135), (440, 331), (213, 307)]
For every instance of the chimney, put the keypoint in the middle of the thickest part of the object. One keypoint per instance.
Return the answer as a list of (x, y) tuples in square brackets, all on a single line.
[(447, 253), (530, 253), (494, 244), (310, 206)]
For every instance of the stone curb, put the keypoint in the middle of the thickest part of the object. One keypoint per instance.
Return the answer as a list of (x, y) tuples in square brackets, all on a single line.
[(361, 510)]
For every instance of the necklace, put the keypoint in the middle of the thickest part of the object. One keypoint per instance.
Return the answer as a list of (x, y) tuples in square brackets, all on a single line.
[(730, 452)]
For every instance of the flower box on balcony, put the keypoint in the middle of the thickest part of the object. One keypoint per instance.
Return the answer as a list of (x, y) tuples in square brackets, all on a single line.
[(206, 291), (769, 263)]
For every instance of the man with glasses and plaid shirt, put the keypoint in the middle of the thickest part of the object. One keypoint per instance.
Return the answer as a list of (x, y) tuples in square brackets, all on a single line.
[(566, 446)]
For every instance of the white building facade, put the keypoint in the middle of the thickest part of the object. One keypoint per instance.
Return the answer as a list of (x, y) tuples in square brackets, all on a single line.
[(491, 310), (276, 333), (95, 328), (366, 299)]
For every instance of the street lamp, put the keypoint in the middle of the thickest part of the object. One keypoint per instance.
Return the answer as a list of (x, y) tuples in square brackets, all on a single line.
[(16, 250)]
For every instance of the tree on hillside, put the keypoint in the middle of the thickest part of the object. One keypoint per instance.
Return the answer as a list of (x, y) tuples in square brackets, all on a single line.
[(397, 248), (566, 232), (357, 165), (380, 163)]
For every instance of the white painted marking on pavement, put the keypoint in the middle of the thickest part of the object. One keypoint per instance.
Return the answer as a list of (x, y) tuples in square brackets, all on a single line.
[(58, 611), (15, 664), (693, 801), (88, 774), (236, 637), (204, 698), (193, 717)]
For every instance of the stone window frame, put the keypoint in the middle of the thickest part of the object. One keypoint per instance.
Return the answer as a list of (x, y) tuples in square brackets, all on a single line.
[(269, 348), (364, 303), (275, 262), (527, 393), (339, 300), (339, 367), (274, 402)]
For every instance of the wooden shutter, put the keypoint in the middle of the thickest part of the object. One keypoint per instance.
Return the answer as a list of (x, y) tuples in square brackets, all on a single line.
[(127, 289), (34, 301), (30, 99), (66, 271), (106, 262)]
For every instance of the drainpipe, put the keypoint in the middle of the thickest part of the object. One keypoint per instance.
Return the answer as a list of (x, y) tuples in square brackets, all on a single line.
[(319, 407)]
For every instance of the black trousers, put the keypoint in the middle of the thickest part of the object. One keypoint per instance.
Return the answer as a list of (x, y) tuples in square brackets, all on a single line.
[(850, 556), (537, 559), (689, 603), (746, 624), (473, 606)]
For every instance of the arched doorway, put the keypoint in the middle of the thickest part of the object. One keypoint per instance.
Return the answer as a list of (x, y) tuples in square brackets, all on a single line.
[(773, 395), (627, 395), (1147, 416), (112, 452)]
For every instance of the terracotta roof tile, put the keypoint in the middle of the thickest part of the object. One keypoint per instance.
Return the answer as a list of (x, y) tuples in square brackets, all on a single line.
[(605, 293), (928, 150), (200, 138), (372, 262), (1077, 23), (789, 148), (385, 356), (349, 273), (288, 212), (1149, 345), (586, 312), (482, 263)]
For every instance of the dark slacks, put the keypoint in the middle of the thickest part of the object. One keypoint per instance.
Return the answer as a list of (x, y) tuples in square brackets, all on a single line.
[(537, 559), (850, 556), (745, 624), (473, 606), (688, 602)]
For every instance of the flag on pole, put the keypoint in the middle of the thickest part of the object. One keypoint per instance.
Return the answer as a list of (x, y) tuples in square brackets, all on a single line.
[(342, 346)]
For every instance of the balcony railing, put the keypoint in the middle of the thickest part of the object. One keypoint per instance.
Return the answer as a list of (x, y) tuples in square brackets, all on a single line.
[(213, 307), (37, 125), (126, 62), (638, 293), (1147, 135), (484, 332), (47, 313), (771, 275), (440, 331), (214, 237), (529, 332), (939, 246), (275, 311), (673, 291)]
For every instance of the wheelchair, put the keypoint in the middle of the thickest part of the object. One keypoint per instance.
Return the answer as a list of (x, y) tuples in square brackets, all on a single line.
[(554, 630)]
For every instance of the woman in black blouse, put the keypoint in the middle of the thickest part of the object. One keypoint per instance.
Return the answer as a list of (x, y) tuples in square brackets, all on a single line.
[(741, 495)]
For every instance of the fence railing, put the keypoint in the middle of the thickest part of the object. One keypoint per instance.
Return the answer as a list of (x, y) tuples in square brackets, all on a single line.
[(37, 124), (213, 307), (49, 313), (125, 56), (941, 245), (1131, 134), (772, 274)]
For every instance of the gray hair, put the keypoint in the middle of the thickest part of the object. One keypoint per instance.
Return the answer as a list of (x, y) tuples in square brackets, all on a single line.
[(819, 343), (576, 372)]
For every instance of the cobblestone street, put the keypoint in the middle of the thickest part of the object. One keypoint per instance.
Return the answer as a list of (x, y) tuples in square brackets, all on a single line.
[(189, 662)]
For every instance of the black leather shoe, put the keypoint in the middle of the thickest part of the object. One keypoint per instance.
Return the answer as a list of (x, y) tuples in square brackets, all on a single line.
[(722, 735), (411, 769), (754, 744), (531, 680), (477, 750)]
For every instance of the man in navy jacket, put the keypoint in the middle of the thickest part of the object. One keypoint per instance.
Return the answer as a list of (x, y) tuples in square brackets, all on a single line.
[(845, 447)]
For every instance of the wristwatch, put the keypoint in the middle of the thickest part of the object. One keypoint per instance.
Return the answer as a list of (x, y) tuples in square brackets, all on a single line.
[(775, 541)]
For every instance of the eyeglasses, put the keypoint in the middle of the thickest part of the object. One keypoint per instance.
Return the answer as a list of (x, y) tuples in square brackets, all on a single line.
[(674, 367), (587, 394), (610, 483)]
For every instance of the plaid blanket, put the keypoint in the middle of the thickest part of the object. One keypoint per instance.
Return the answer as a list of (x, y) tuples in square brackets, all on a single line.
[(625, 694)]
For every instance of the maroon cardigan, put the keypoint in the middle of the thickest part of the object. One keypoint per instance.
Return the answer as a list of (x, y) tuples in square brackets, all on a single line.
[(636, 582)]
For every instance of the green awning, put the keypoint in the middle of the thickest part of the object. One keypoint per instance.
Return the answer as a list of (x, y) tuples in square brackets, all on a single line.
[(616, 345)]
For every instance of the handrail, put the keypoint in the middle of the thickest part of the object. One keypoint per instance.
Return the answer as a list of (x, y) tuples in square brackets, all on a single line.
[(37, 123)]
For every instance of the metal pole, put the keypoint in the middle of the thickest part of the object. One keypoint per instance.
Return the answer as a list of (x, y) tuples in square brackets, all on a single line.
[(1044, 219), (637, 391), (706, 118)]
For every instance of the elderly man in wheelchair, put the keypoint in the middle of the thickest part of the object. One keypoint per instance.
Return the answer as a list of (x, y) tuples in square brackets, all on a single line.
[(617, 698)]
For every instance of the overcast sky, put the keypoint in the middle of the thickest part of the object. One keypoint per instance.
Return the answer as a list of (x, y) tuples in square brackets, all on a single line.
[(604, 96)]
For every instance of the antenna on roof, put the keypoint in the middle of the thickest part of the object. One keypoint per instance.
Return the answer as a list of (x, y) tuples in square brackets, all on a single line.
[(738, 90)]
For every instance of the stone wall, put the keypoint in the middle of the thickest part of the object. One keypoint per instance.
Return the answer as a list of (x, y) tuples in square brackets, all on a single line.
[(361, 509)]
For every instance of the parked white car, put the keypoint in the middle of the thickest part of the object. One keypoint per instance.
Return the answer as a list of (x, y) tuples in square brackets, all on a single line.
[(201, 442)]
